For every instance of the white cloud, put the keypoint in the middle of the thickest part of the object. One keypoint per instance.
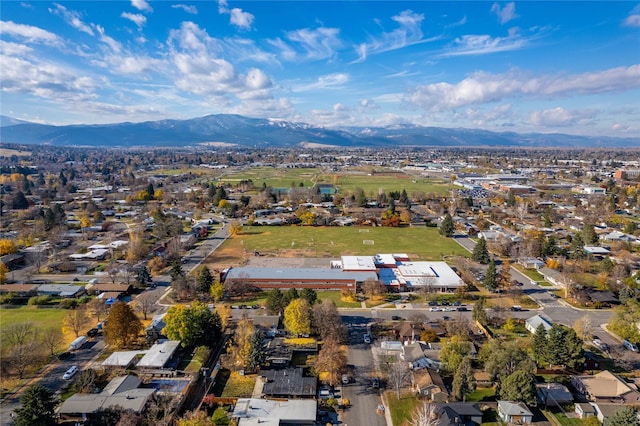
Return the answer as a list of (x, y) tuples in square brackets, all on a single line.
[(109, 41), (29, 33), (468, 45), (323, 82), (483, 87), (632, 21), (141, 5), (136, 18), (14, 49), (560, 117), (319, 43), (506, 13), (187, 8), (409, 32), (241, 18), (223, 7), (72, 18)]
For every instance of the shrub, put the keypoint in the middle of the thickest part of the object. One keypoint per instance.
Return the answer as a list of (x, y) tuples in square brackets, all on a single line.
[(39, 300), (68, 303)]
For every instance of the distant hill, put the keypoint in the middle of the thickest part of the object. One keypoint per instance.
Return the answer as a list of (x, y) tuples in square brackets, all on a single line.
[(262, 133)]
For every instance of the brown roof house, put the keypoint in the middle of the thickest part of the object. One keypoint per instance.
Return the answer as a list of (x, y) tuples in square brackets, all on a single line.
[(429, 383), (606, 387)]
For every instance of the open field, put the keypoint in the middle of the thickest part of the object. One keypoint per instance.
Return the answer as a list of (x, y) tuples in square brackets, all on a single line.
[(392, 182), (273, 177), (41, 318), (300, 241), (6, 152)]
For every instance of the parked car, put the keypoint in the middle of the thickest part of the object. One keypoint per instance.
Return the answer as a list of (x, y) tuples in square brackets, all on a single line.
[(375, 383), (345, 379), (70, 372), (433, 303), (631, 346), (325, 392), (396, 318), (367, 338), (93, 332), (64, 355)]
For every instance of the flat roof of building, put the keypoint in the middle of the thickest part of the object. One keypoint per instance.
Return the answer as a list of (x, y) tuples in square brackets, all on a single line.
[(358, 263), (159, 354), (301, 274), (263, 411)]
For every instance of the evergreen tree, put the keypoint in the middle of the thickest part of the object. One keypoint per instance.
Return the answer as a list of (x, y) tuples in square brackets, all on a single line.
[(490, 278), (205, 280), (309, 295), (539, 343), (589, 235), (20, 202), (275, 302), (446, 227), (37, 407), (143, 277), (257, 351), (479, 314), (577, 247), (625, 416), (563, 346), (511, 199), (290, 295), (480, 252), (519, 386), (463, 381)]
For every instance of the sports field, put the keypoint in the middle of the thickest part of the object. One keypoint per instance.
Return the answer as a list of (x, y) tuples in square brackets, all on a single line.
[(302, 241)]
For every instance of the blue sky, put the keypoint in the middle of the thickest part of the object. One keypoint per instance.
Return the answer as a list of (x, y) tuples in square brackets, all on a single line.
[(532, 66)]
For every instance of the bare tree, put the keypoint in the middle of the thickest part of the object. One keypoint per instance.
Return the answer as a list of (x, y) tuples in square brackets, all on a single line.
[(425, 414), (398, 376), (18, 333), (144, 303), (98, 308), (21, 347), (326, 320), (51, 339), (161, 410), (75, 321), (85, 381)]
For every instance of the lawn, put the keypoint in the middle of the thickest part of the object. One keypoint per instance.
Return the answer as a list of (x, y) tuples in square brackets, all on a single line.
[(482, 394), (337, 299), (238, 386), (41, 318), (401, 409), (418, 243)]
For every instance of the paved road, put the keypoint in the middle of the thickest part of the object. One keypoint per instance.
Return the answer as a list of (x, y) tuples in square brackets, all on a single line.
[(51, 376), (364, 399)]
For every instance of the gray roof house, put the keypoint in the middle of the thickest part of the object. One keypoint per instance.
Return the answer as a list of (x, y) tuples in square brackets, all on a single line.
[(514, 412), (122, 392), (531, 324), (267, 412), (159, 355)]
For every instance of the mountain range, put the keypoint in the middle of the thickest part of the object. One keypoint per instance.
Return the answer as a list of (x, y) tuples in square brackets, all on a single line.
[(237, 130)]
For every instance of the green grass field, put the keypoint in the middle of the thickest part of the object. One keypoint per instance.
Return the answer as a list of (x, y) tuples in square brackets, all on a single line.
[(41, 318), (401, 410), (337, 299), (418, 243), (392, 182)]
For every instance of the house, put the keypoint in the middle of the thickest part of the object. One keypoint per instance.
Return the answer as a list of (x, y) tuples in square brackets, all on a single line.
[(61, 290), (552, 276), (278, 352), (532, 263), (123, 392), (606, 387), (267, 412), (287, 383), (408, 332), (159, 355), (122, 359), (584, 410), (532, 324), (269, 324), (20, 290), (154, 329), (119, 288), (554, 394), (514, 412), (429, 383), (459, 413)]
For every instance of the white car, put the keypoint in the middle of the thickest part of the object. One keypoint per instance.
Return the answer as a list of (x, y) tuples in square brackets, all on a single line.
[(434, 309), (70, 372)]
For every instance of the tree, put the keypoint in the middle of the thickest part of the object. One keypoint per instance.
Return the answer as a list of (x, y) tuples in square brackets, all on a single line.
[(479, 314), (519, 386), (216, 291), (501, 359), (7, 247), (194, 325), (446, 227), (37, 407), (589, 235), (331, 360), (97, 308), (626, 416), (275, 302), (372, 287), (290, 295), (123, 326), (309, 295), (74, 321), (85, 381), (490, 279), (624, 320), (220, 417), (241, 346), (425, 414), (563, 347), (51, 339), (505, 274), (143, 276), (480, 252), (453, 352), (398, 376), (539, 343), (198, 418), (297, 317), (155, 266), (144, 303), (3, 273), (21, 346), (327, 321), (463, 380), (257, 352), (235, 228), (205, 280), (19, 201)]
